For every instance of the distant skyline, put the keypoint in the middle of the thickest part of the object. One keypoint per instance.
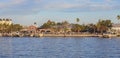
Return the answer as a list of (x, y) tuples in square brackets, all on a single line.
[(26, 12)]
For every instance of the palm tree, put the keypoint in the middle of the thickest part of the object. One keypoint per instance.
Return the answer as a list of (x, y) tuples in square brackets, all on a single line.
[(35, 23), (118, 17), (77, 20)]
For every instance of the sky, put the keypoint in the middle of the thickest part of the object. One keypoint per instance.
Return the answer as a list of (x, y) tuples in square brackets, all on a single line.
[(26, 12)]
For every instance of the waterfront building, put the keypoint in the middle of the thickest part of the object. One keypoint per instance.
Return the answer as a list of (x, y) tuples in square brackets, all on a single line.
[(32, 29), (44, 30), (6, 21), (115, 28)]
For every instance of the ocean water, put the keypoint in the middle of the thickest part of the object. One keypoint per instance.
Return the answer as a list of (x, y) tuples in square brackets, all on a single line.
[(59, 47)]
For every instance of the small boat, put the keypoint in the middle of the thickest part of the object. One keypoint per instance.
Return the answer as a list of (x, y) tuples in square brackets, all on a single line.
[(108, 35)]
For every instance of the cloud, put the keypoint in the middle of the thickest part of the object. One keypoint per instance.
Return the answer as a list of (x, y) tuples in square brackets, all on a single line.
[(10, 3), (14, 7), (90, 5), (35, 6)]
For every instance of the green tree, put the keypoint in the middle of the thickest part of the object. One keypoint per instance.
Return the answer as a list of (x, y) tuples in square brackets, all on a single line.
[(17, 27), (77, 20), (13, 28), (65, 25), (118, 17), (104, 25), (59, 26), (76, 28), (92, 28), (49, 25)]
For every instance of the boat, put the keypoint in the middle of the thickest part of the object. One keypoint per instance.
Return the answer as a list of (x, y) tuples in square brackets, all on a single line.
[(108, 35)]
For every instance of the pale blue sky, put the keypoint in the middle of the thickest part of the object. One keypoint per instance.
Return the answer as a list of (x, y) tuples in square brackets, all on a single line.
[(26, 12)]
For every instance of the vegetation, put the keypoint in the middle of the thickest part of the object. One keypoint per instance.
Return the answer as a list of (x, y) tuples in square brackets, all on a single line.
[(100, 27), (77, 20), (48, 24), (103, 25), (118, 17), (76, 28), (5, 28), (92, 28)]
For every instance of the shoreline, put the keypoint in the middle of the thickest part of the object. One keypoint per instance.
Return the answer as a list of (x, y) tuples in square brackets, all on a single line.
[(61, 35), (71, 35)]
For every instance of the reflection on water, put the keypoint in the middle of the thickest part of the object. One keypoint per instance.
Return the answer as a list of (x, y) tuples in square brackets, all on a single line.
[(59, 47)]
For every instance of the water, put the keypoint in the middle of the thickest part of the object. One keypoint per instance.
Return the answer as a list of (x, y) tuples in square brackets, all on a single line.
[(59, 47)]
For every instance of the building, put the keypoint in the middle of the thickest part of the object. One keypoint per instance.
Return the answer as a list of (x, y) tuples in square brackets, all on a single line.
[(115, 28), (6, 21), (32, 29)]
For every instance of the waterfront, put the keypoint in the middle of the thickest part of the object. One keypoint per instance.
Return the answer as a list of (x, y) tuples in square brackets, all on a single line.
[(59, 47)]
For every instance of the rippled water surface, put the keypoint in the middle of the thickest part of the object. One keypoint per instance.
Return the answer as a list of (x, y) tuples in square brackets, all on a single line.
[(59, 47)]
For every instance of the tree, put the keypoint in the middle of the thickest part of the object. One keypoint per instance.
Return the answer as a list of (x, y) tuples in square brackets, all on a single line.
[(65, 25), (92, 28), (76, 28), (103, 25), (48, 24), (35, 23), (118, 17), (17, 27), (77, 20)]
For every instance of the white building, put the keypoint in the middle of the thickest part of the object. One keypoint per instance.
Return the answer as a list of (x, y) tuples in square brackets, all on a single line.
[(6, 21), (116, 28)]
